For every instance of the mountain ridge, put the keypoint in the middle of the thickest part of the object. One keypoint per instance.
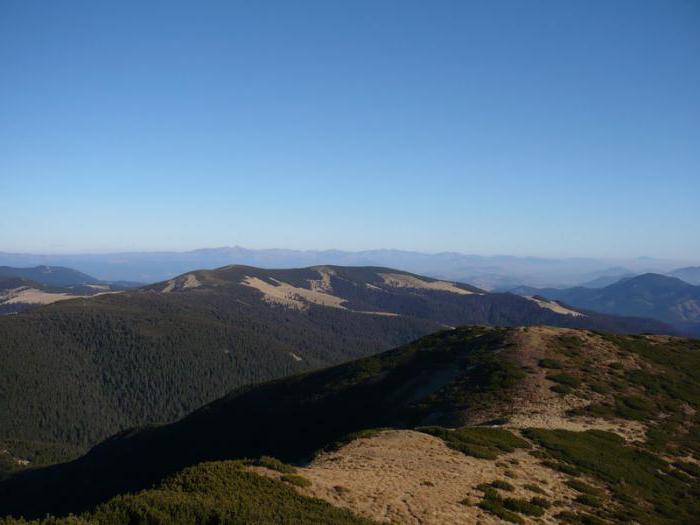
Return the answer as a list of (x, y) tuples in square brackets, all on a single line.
[(590, 413), (668, 299), (100, 364)]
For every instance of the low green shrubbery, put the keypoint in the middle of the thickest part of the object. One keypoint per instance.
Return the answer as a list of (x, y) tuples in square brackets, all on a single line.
[(522, 506), (508, 508), (565, 379), (550, 363), (584, 488), (588, 500), (219, 492), (297, 480), (637, 478), (561, 389), (272, 464), (534, 488), (479, 442), (502, 485)]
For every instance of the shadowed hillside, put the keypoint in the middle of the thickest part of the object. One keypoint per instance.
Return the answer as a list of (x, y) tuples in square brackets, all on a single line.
[(98, 365), (608, 420)]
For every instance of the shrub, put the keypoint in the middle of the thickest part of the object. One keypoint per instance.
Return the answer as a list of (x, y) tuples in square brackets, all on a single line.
[(496, 508), (635, 477), (479, 442), (534, 488), (587, 499), (599, 388), (523, 507), (502, 485), (541, 502), (297, 480), (550, 363), (584, 488), (561, 389), (565, 379), (217, 492), (272, 464)]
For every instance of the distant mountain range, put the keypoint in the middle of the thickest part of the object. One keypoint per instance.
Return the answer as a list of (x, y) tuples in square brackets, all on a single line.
[(25, 288), (661, 297), (95, 365), (691, 274), (499, 272)]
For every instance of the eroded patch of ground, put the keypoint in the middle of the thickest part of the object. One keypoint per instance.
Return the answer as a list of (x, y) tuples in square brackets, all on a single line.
[(398, 280), (404, 476)]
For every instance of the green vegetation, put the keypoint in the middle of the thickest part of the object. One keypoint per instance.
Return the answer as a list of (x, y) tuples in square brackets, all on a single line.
[(502, 485), (534, 488), (561, 389), (523, 506), (17, 455), (79, 371), (541, 502), (565, 379), (569, 345), (221, 492), (550, 363), (297, 480), (479, 442), (635, 477), (508, 508), (584, 488), (495, 507), (272, 464), (588, 500)]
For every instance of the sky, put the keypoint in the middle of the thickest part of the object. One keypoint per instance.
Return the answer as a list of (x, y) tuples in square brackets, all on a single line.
[(552, 128)]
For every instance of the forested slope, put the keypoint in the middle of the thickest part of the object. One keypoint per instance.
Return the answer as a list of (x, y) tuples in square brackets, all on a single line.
[(77, 371)]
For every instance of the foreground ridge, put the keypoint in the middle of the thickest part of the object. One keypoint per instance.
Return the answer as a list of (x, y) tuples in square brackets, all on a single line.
[(485, 423)]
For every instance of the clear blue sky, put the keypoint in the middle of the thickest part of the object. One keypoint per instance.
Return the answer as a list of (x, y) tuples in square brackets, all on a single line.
[(523, 127)]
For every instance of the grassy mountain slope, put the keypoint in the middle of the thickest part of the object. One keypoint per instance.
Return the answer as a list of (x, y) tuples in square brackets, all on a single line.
[(94, 366), (609, 422)]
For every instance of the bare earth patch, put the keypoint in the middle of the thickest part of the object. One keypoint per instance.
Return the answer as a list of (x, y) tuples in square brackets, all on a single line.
[(292, 296), (297, 298), (403, 476), (555, 307), (398, 280), (34, 296)]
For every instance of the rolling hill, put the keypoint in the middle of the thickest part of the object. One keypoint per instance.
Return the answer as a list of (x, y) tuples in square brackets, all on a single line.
[(100, 364), (25, 288), (465, 425), (661, 297)]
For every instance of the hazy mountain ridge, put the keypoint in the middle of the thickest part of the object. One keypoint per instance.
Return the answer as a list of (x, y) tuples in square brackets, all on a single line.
[(491, 272), (25, 288), (690, 274), (668, 299)]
